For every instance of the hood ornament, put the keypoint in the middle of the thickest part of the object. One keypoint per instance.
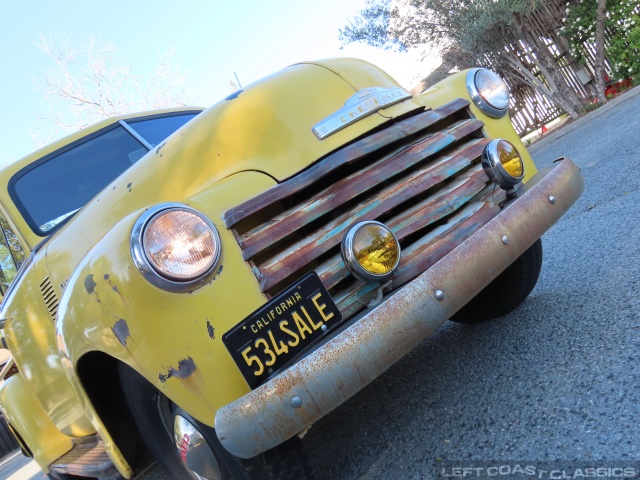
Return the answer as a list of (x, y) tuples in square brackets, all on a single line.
[(363, 103)]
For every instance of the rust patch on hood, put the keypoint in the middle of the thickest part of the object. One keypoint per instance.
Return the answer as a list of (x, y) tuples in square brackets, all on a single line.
[(121, 331), (186, 367), (211, 330)]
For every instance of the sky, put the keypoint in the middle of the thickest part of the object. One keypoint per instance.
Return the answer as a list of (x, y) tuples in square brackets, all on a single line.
[(212, 40)]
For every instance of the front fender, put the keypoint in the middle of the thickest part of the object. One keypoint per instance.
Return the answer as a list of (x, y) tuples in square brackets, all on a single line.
[(26, 416), (172, 339)]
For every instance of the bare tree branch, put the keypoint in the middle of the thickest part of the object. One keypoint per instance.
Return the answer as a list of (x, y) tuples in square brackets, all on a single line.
[(87, 83)]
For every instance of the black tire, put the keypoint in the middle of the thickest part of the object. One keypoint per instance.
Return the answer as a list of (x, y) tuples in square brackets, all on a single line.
[(507, 291), (153, 413)]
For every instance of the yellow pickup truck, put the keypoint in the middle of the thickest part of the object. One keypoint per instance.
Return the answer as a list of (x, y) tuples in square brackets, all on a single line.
[(200, 287)]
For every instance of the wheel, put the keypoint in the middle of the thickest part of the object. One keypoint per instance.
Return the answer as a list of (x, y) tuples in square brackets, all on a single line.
[(155, 416), (507, 291)]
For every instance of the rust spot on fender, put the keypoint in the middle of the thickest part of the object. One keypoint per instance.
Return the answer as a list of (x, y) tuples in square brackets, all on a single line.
[(89, 284), (211, 330), (107, 277), (186, 367), (121, 331)]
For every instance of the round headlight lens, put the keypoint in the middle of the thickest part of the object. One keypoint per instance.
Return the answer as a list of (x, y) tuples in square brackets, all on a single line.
[(371, 251), (180, 244), (503, 164), (488, 91), (492, 89), (175, 247)]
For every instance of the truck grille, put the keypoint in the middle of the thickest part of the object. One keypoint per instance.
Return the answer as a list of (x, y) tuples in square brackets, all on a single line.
[(421, 177)]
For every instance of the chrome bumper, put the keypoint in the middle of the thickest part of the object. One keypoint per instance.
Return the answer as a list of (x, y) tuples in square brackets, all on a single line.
[(290, 402)]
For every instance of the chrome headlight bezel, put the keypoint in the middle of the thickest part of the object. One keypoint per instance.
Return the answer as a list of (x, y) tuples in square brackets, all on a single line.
[(351, 262), (495, 111), (493, 166), (146, 267)]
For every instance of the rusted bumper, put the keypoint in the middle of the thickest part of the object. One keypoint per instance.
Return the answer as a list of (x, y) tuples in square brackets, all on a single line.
[(287, 404)]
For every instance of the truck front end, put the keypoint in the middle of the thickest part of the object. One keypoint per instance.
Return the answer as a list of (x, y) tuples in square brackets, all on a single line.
[(281, 251)]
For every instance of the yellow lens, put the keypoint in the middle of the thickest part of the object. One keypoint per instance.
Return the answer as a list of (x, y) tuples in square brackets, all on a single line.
[(510, 159), (180, 244), (375, 249)]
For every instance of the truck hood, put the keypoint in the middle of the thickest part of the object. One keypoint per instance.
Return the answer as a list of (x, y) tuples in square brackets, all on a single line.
[(266, 127)]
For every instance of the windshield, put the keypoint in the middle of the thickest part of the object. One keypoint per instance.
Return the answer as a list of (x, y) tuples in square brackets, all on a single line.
[(51, 190), (157, 129)]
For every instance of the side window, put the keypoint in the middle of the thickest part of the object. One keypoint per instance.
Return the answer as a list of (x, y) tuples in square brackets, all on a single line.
[(11, 255)]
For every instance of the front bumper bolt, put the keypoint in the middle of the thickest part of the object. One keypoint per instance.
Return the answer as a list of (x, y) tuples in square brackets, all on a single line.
[(439, 295), (296, 401), (505, 240), (552, 199)]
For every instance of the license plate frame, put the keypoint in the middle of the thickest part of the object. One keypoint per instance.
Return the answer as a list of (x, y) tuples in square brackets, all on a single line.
[(305, 307)]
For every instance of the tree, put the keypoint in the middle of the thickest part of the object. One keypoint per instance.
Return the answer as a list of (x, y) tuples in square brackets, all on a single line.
[(499, 31), (601, 19), (87, 83), (586, 25)]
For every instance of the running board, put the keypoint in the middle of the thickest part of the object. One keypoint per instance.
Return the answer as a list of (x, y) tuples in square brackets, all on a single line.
[(87, 458)]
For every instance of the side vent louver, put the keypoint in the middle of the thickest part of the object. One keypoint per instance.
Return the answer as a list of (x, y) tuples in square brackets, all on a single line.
[(50, 298)]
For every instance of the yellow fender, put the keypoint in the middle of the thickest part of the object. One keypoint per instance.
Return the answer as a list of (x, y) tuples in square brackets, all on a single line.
[(172, 339), (28, 419)]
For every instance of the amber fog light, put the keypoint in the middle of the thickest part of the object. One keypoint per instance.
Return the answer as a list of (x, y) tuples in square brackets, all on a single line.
[(503, 164), (371, 251), (175, 247)]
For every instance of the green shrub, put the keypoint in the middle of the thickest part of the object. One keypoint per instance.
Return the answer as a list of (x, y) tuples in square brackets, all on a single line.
[(623, 22)]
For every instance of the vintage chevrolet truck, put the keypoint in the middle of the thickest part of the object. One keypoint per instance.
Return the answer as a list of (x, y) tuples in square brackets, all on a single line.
[(201, 287)]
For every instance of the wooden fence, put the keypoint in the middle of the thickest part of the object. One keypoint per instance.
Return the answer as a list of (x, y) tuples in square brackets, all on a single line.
[(529, 109)]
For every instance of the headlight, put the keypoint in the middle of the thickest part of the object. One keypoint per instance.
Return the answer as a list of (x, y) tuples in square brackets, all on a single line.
[(488, 92), (175, 247), (371, 251), (503, 164)]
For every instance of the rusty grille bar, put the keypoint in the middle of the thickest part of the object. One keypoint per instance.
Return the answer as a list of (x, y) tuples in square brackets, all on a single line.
[(420, 176)]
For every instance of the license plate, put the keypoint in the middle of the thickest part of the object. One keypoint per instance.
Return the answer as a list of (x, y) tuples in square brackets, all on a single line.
[(272, 336)]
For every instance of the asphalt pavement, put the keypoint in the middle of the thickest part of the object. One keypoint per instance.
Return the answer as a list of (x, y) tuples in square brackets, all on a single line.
[(555, 385), (16, 466)]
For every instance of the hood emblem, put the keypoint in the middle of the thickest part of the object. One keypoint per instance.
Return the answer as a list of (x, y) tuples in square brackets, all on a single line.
[(363, 103)]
